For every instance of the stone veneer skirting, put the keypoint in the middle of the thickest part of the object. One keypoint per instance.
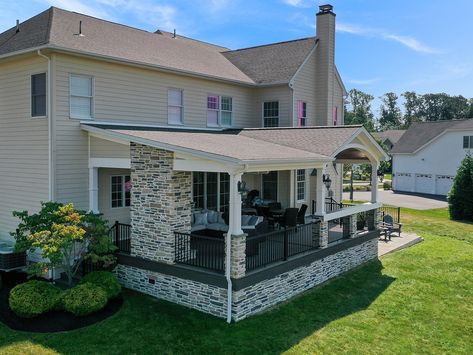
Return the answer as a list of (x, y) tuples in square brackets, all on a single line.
[(254, 298)]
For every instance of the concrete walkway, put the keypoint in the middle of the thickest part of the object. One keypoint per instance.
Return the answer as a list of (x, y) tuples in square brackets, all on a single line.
[(419, 202), (396, 243)]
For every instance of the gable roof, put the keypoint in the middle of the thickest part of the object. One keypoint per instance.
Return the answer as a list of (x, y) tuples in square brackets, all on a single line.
[(421, 133), (273, 63), (392, 134), (58, 29)]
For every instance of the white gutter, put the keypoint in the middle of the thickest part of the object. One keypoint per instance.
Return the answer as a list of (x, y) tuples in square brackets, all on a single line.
[(50, 127)]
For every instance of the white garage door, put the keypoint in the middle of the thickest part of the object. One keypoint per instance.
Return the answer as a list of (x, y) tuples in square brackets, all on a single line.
[(443, 184), (403, 181), (425, 184)]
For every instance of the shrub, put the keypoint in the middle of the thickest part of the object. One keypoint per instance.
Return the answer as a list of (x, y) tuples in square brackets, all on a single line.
[(387, 185), (104, 280), (460, 198), (84, 299), (32, 298)]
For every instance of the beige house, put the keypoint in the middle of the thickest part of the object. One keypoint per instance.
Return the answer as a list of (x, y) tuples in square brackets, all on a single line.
[(151, 129)]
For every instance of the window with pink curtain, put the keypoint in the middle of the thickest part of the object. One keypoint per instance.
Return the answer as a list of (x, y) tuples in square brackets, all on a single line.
[(301, 113), (212, 110), (335, 115)]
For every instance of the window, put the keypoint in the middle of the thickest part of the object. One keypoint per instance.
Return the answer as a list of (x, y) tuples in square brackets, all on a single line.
[(335, 115), (219, 110), (270, 186), (301, 113), (467, 142), (81, 96), (271, 114), (211, 191), (175, 106), (38, 95), (121, 191), (300, 185)]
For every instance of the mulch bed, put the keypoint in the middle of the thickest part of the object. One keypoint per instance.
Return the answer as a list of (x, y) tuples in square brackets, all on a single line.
[(51, 322)]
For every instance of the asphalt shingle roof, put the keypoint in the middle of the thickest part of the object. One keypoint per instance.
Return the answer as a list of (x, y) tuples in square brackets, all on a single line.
[(392, 134), (420, 133), (57, 28)]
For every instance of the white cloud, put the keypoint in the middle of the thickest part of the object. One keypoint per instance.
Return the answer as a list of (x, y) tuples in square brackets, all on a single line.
[(363, 81), (79, 6), (298, 3), (407, 41)]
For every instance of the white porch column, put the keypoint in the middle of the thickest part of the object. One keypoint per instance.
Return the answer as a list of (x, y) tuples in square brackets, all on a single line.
[(374, 181), (292, 184), (234, 222), (320, 196), (94, 189)]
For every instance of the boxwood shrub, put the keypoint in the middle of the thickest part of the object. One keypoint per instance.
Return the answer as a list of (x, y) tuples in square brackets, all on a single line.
[(104, 280), (32, 298), (84, 299)]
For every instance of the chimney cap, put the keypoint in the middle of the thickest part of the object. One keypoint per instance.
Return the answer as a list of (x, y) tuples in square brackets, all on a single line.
[(325, 9)]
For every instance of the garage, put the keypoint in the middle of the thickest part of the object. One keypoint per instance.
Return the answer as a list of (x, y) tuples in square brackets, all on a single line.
[(443, 184), (403, 182), (425, 184)]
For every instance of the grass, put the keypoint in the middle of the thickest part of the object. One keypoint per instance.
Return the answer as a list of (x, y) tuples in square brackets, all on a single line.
[(388, 176), (418, 300)]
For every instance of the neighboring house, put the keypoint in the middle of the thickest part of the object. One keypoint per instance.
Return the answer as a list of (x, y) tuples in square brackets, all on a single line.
[(158, 132), (426, 158), (389, 137)]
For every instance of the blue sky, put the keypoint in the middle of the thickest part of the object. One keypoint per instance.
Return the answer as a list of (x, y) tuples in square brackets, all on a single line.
[(382, 45)]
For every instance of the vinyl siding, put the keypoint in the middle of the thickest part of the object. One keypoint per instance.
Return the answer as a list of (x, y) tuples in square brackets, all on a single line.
[(23, 143), (283, 95), (101, 148), (304, 90), (121, 214)]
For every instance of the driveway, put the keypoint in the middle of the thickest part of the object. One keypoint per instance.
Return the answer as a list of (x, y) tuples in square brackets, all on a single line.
[(419, 202)]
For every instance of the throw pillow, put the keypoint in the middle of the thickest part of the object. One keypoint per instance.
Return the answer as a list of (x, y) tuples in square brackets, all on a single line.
[(212, 216), (245, 219), (201, 219), (253, 221)]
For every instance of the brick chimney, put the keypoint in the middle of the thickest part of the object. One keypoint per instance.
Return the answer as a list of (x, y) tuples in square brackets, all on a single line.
[(325, 65)]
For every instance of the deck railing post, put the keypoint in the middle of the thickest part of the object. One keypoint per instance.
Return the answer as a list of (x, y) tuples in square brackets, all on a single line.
[(286, 244), (117, 234)]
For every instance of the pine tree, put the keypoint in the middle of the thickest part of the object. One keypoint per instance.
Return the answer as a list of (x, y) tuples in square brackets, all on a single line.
[(460, 198)]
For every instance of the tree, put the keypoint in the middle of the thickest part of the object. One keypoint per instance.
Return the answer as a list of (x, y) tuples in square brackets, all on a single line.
[(65, 237), (413, 108), (391, 116), (442, 106), (359, 111), (460, 198)]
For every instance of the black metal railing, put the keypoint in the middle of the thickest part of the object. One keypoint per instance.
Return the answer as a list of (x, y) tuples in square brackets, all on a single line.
[(331, 205), (394, 212), (271, 247), (200, 251), (121, 236)]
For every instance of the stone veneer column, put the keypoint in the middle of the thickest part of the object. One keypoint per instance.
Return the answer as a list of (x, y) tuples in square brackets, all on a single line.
[(160, 203), (372, 219), (349, 226), (238, 256), (320, 233)]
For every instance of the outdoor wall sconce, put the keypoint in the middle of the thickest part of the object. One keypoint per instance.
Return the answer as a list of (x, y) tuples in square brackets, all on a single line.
[(313, 172), (242, 190), (327, 181)]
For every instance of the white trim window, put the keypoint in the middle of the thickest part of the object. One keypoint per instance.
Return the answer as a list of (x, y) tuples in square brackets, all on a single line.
[(467, 142), (301, 113), (38, 95), (120, 191), (81, 96), (219, 111), (271, 113), (175, 107), (300, 184), (211, 191)]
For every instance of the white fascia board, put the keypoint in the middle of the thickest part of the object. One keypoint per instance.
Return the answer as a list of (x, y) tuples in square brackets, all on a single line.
[(380, 154), (117, 163), (351, 211)]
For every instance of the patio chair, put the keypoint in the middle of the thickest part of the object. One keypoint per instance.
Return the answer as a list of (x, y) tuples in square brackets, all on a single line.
[(289, 218), (390, 225), (301, 214)]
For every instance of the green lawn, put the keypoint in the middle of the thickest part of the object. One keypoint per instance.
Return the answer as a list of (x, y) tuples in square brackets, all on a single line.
[(419, 300), (388, 176)]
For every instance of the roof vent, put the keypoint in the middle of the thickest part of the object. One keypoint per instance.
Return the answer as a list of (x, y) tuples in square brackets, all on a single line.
[(80, 34), (325, 9), (174, 34), (17, 26)]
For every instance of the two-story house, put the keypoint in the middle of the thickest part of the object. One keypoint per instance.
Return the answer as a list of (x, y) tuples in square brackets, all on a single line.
[(152, 129)]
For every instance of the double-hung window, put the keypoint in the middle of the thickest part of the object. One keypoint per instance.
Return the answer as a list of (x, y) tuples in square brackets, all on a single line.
[(38, 95), (301, 113), (81, 96), (271, 114), (175, 106), (335, 115), (219, 111), (467, 142), (300, 184), (121, 191)]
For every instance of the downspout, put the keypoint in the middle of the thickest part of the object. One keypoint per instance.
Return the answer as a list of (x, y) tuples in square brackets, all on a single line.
[(50, 127), (228, 247)]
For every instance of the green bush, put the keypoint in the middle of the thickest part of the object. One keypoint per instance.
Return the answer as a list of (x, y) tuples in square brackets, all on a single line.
[(84, 299), (387, 185), (460, 198), (32, 298), (104, 280)]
